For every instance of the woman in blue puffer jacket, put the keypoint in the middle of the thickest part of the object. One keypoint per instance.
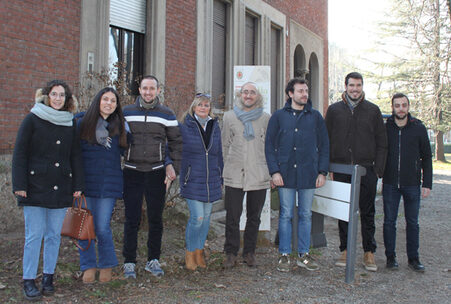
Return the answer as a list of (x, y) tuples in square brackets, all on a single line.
[(102, 131), (200, 175)]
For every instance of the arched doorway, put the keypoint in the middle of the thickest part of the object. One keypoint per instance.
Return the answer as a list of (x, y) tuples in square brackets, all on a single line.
[(299, 67), (313, 79)]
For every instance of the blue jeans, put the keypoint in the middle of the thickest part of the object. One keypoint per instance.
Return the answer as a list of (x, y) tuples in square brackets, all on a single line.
[(287, 199), (411, 198), (102, 209), (198, 224), (41, 223)]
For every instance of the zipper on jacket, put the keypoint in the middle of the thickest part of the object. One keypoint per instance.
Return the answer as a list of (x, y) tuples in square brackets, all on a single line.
[(351, 149), (187, 175), (208, 175), (206, 157), (399, 158), (161, 154)]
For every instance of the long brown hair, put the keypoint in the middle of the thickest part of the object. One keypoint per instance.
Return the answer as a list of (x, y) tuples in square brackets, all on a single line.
[(116, 121)]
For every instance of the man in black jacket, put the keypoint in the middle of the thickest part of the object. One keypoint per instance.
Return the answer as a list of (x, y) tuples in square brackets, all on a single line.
[(150, 162), (409, 162), (357, 136)]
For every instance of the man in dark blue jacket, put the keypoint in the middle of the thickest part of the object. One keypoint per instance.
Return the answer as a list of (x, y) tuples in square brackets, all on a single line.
[(297, 153), (409, 162)]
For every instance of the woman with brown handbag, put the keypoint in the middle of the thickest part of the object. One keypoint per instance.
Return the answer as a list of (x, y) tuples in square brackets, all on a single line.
[(103, 135), (46, 175)]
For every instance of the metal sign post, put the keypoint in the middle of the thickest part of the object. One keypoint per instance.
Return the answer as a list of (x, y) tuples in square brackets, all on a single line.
[(358, 172)]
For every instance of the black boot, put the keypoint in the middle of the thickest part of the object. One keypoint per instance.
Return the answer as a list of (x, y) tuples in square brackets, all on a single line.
[(47, 288), (392, 263), (30, 291), (416, 265)]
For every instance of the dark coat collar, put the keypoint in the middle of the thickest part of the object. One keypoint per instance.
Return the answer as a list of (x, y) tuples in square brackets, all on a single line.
[(307, 107), (410, 120)]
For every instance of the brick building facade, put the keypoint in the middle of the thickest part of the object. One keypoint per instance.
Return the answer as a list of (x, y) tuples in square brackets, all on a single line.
[(190, 45), (39, 41)]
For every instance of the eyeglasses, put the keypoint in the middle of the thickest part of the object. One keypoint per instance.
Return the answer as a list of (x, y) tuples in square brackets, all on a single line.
[(56, 95), (203, 95), (247, 92)]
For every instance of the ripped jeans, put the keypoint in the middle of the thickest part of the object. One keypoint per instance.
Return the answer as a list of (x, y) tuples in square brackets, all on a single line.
[(198, 224)]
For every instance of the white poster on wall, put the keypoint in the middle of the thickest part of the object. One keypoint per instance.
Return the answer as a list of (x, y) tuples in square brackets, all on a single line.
[(261, 76)]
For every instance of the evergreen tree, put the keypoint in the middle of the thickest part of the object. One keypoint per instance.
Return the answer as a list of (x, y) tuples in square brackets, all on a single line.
[(418, 40)]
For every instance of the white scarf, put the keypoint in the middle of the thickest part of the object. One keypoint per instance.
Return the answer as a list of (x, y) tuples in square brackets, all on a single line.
[(60, 118)]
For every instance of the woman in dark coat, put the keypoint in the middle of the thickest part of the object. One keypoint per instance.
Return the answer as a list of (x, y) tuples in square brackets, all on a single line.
[(102, 133), (46, 174), (200, 175)]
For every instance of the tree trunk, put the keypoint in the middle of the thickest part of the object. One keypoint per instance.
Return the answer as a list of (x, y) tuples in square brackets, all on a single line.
[(439, 149), (449, 10)]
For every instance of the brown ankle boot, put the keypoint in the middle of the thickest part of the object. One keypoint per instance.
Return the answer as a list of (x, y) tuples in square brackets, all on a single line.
[(190, 260), (105, 275), (341, 262), (200, 260), (89, 276), (369, 262)]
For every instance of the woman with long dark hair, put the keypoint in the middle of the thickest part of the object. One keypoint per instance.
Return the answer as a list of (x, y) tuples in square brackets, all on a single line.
[(46, 175), (102, 136)]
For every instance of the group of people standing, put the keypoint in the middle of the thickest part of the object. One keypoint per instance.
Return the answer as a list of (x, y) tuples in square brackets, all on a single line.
[(398, 152), (59, 156)]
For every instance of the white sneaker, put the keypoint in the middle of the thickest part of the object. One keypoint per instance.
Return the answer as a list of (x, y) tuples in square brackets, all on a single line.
[(129, 270), (154, 268)]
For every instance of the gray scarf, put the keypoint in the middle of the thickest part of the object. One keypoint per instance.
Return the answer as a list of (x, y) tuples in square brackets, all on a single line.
[(102, 134), (149, 105), (60, 118), (246, 117), (352, 103)]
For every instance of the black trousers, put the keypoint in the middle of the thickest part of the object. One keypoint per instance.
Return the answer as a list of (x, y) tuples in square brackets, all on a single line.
[(234, 207), (151, 185), (368, 187)]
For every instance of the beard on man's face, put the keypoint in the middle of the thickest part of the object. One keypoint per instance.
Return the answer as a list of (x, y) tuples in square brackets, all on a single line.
[(400, 117), (355, 99)]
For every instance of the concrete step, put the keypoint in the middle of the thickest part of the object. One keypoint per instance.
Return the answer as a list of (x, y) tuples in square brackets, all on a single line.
[(217, 222), (218, 206), (218, 216)]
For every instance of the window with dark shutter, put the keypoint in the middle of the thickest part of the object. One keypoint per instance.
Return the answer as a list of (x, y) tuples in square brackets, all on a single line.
[(275, 68), (219, 53), (250, 39)]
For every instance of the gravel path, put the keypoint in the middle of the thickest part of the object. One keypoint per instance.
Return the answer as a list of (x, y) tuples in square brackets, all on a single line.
[(263, 284)]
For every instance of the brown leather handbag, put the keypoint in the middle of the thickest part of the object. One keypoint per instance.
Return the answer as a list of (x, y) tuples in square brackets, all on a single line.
[(79, 223)]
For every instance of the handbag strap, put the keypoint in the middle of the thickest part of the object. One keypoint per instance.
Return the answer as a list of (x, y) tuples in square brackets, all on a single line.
[(90, 237), (78, 245), (78, 202)]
